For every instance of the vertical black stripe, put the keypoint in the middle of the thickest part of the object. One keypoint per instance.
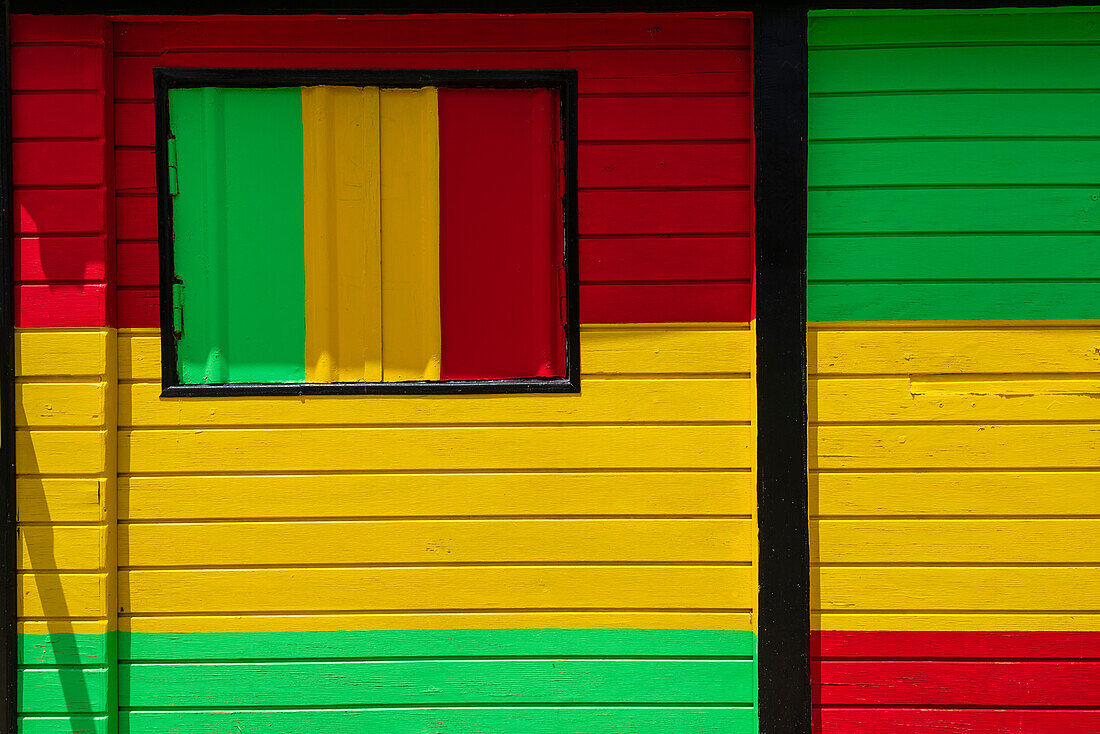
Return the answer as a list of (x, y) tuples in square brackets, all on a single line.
[(780, 97)]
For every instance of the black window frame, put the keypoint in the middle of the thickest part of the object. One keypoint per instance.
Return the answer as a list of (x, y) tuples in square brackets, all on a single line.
[(563, 81)]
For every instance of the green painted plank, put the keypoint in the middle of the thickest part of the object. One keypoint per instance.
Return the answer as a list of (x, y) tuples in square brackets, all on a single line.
[(929, 162), (952, 257), (986, 210), (63, 725), (949, 115), (238, 234), (439, 681), (1003, 25), (953, 68), (62, 690), (380, 644), (948, 300), (496, 720), (65, 648)]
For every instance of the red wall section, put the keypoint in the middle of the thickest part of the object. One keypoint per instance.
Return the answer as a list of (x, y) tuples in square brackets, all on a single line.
[(952, 682), (62, 171)]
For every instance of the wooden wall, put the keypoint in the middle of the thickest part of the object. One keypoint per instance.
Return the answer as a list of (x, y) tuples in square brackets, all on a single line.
[(954, 375)]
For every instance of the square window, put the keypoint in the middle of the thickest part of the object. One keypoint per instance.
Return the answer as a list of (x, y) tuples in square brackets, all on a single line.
[(367, 231)]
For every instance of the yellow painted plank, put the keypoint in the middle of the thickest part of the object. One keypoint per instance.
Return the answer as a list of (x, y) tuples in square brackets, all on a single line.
[(435, 541), (656, 349), (953, 493), (410, 495), (60, 452), (954, 446), (563, 588), (59, 595), (410, 234), (59, 500), (60, 352), (902, 351), (975, 621), (441, 449), (343, 249), (955, 541), (951, 589), (953, 399), (681, 349), (63, 626), (60, 404), (601, 401), (62, 547), (446, 620)]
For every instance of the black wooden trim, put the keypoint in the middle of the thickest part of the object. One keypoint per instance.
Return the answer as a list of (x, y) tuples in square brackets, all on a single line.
[(780, 104), (8, 548), (564, 81)]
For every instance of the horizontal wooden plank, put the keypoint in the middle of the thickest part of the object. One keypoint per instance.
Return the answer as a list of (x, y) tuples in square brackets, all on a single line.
[(425, 682), (62, 548), (60, 500), (1008, 68), (28, 28), (437, 495), (61, 258), (672, 211), (947, 399), (62, 595), (431, 588), (63, 304), (362, 449), (58, 115), (137, 264), (955, 541), (1035, 493), (958, 683), (139, 307), (956, 644), (43, 628), (962, 620), (634, 259), (659, 302), (985, 446), (648, 349), (601, 401), (89, 723), (63, 690), (634, 165), (840, 720), (1000, 25), (174, 626), (60, 68), (1006, 589), (952, 350), (65, 648), (435, 643), (60, 452), (459, 720), (665, 118), (135, 171), (60, 352), (59, 163), (954, 115), (60, 404), (60, 211), (435, 541)]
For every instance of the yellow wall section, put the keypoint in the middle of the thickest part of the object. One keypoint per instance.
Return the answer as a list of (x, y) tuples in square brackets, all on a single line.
[(954, 468), (410, 234), (343, 248)]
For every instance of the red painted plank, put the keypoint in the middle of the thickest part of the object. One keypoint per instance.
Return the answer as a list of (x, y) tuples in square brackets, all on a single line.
[(137, 264), (955, 721), (60, 115), (929, 645), (500, 234), (618, 259), (138, 308), (136, 217), (672, 212), (136, 171), (664, 164), (665, 302), (58, 163), (958, 683), (60, 258), (721, 30), (57, 28), (67, 304), (134, 124), (60, 211), (57, 68), (665, 118)]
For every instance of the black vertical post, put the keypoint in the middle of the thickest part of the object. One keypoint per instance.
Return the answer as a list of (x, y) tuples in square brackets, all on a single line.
[(7, 393), (780, 100)]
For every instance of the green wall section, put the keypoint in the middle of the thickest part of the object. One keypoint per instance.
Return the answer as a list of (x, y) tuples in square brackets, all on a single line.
[(398, 682), (953, 165), (239, 233)]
